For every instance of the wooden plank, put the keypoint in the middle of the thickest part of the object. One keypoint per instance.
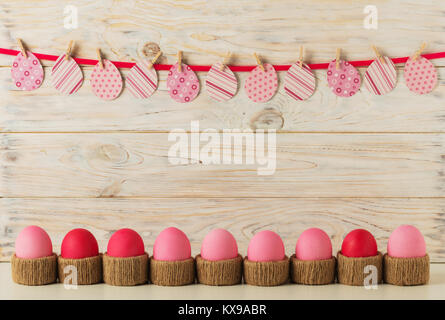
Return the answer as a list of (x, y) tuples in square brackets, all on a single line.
[(243, 217), (206, 30), (45, 110), (137, 165)]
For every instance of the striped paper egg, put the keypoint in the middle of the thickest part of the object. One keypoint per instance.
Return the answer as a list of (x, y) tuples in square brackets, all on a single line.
[(221, 83), (66, 75), (106, 82), (27, 73), (142, 80), (299, 82), (260, 86), (381, 78), (344, 81)]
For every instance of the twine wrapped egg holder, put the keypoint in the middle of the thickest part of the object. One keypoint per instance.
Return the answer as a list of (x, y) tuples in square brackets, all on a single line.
[(125, 271), (266, 274), (350, 270), (406, 271), (313, 272), (89, 270), (34, 272), (219, 273), (172, 273)]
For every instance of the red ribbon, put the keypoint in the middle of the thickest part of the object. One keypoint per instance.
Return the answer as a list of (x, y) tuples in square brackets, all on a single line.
[(282, 67)]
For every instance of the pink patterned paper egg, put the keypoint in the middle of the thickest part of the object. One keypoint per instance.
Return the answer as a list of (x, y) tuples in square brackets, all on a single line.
[(344, 81), (183, 86), (27, 73), (420, 75), (381, 78), (260, 86), (106, 82), (299, 82), (142, 80), (222, 84), (66, 75)]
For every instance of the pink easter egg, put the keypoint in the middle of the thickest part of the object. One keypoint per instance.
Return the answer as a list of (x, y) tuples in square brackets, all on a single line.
[(183, 86), (172, 245), (381, 78), (219, 244), (266, 246), (221, 83), (299, 82), (260, 86), (27, 73), (125, 243), (420, 75), (313, 244), (66, 75), (344, 81), (406, 242), (142, 80), (106, 82), (33, 242)]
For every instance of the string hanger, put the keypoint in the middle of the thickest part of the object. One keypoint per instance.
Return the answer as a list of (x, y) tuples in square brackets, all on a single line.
[(419, 52), (22, 48), (337, 59), (378, 55), (99, 57), (69, 49), (258, 61), (152, 62), (225, 61), (301, 57), (180, 61)]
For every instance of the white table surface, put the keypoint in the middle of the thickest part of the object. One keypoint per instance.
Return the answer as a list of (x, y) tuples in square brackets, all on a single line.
[(434, 290)]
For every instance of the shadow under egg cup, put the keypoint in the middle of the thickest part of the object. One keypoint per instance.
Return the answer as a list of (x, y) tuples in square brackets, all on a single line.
[(34, 272), (125, 271), (219, 273), (267, 273), (89, 270), (312, 272), (351, 270), (172, 273), (406, 271)]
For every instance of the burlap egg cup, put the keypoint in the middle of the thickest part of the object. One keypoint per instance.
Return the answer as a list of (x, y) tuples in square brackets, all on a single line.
[(351, 271), (219, 273), (172, 273), (267, 274), (406, 271), (127, 271), (312, 272), (89, 270), (34, 272)]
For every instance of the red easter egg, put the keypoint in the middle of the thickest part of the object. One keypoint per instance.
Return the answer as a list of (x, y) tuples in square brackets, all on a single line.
[(78, 244), (359, 243), (125, 243)]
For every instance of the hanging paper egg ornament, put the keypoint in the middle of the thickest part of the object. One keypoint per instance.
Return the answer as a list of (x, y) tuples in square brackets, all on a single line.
[(66, 75), (261, 85), (27, 72), (344, 81), (381, 77), (299, 82), (142, 80), (106, 82), (183, 86), (420, 75), (221, 83)]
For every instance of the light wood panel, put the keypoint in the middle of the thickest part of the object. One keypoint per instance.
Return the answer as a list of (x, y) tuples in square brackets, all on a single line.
[(243, 217)]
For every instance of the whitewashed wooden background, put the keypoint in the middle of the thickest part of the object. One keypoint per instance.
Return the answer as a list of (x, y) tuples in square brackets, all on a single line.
[(370, 162)]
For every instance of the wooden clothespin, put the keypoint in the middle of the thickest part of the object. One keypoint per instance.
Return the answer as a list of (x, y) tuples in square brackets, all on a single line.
[(225, 60), (301, 57), (22, 48), (180, 61), (68, 50), (258, 61), (99, 57), (419, 52), (378, 55), (154, 60), (337, 59)]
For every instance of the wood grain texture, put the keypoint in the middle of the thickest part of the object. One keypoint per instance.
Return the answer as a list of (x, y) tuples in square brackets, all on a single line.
[(242, 217)]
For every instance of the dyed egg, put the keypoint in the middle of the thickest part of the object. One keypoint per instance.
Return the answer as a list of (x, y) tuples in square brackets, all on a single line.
[(260, 86), (66, 75), (266, 246), (219, 244), (406, 242), (221, 84), (359, 243), (420, 75), (33, 242), (172, 245), (183, 86), (78, 244), (125, 243), (106, 82), (27, 73), (313, 244), (344, 81)]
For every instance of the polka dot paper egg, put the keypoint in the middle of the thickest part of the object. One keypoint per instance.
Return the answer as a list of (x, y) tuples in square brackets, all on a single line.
[(106, 82), (420, 75), (345, 81), (260, 86), (27, 73), (183, 86)]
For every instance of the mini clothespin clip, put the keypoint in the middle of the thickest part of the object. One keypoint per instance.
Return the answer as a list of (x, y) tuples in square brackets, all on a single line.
[(154, 60), (337, 59), (258, 61), (378, 55), (301, 57), (22, 48), (180, 61), (99, 57), (68, 50), (225, 61), (419, 52)]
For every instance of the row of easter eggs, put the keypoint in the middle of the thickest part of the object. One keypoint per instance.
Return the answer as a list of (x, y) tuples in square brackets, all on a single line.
[(219, 263)]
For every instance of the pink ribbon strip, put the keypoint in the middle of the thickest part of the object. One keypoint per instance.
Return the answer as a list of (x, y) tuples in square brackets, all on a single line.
[(282, 67)]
